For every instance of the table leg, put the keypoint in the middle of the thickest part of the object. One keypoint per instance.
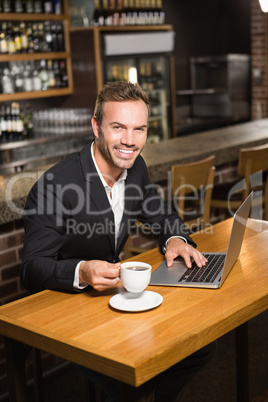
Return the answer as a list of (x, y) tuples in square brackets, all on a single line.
[(38, 378), (242, 382), (144, 393), (15, 358)]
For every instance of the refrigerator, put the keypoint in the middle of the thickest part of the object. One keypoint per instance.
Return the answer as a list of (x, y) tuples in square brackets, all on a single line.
[(144, 57)]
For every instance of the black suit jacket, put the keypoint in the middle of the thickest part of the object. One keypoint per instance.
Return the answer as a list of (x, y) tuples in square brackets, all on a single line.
[(68, 218)]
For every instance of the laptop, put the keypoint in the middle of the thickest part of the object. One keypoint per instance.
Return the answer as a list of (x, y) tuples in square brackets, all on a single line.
[(219, 265)]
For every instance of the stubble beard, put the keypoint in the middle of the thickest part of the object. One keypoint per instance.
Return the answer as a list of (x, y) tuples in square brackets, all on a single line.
[(109, 157)]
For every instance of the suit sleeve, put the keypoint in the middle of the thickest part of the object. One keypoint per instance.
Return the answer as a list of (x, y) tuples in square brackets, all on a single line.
[(160, 215), (44, 237)]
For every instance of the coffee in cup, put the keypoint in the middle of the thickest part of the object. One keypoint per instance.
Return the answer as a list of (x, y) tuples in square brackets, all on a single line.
[(135, 276)]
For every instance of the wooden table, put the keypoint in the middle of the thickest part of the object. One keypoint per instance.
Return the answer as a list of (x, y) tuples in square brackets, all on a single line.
[(135, 347)]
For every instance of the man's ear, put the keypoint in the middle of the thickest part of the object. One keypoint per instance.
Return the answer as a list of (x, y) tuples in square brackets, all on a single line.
[(95, 126)]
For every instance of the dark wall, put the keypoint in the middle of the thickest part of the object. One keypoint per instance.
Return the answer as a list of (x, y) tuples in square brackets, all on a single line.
[(210, 27), (205, 28)]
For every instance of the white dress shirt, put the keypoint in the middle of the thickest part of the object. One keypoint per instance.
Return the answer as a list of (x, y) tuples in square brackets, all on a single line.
[(116, 197)]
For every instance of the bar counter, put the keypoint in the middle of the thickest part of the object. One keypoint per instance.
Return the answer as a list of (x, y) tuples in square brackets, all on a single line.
[(224, 143)]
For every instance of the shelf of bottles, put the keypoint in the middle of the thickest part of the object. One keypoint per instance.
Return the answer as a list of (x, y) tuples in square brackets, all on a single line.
[(31, 6), (34, 50), (56, 131), (128, 12), (117, 13), (151, 73), (19, 123), (15, 122)]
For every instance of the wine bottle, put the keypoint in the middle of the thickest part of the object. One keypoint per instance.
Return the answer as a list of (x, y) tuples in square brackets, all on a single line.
[(128, 12), (42, 39), (156, 12), (105, 11), (57, 75), (57, 6), (19, 123), (36, 80), (51, 75), (97, 14), (115, 14), (38, 7), (10, 39), (162, 15), (36, 39), (111, 8), (60, 37), (143, 11), (30, 38), (47, 37), (43, 73), (24, 39), (29, 6), (7, 6), (121, 13), (136, 11), (18, 79), (27, 78), (3, 124), (18, 6), (54, 42), (63, 74), (131, 12), (150, 20), (8, 118), (28, 122), (13, 114), (124, 20), (48, 6), (17, 39), (7, 82), (3, 39)]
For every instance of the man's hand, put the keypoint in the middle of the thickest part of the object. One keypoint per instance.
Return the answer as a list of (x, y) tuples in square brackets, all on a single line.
[(101, 275), (177, 247)]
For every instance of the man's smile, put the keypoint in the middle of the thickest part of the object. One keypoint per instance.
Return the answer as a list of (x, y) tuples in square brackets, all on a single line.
[(125, 152)]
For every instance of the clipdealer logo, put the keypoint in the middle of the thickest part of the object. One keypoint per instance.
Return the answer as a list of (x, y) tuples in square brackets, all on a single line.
[(51, 198)]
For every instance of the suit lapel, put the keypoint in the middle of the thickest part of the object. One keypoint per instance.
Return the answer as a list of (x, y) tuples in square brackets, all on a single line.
[(130, 213), (97, 193), (99, 197)]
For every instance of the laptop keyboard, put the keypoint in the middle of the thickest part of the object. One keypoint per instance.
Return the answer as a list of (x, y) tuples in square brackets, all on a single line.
[(208, 273)]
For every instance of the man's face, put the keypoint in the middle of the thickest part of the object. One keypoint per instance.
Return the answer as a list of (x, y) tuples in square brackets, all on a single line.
[(122, 135)]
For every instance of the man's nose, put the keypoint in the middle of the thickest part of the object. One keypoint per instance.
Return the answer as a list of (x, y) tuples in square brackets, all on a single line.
[(128, 138)]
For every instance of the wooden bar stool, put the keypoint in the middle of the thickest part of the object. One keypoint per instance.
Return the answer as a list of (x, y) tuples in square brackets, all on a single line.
[(191, 187), (252, 171)]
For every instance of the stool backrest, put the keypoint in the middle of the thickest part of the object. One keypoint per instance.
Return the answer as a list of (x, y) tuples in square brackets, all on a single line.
[(255, 160), (194, 180), (252, 160)]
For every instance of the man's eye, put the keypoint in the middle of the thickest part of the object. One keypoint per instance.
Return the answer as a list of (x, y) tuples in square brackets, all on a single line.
[(141, 129)]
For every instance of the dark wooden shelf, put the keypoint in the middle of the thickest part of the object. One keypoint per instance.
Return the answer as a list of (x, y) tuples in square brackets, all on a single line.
[(5, 58), (32, 17)]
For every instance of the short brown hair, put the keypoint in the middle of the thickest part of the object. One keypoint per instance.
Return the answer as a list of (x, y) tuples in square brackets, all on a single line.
[(118, 91)]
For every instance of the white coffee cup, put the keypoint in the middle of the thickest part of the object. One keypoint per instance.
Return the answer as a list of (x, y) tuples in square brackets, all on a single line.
[(135, 276)]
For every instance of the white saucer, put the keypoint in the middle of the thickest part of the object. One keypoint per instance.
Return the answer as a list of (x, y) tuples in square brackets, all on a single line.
[(136, 301)]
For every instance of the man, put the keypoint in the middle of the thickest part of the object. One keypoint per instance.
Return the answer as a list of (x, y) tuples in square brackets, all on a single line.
[(79, 214)]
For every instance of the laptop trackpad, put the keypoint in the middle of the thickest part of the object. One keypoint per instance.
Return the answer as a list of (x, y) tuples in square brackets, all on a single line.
[(168, 276)]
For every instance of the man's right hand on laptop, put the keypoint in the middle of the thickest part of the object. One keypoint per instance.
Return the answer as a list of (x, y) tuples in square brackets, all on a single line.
[(177, 247)]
